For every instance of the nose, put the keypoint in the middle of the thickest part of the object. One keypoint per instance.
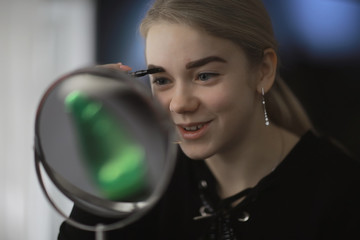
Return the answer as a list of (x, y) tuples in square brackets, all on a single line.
[(184, 100)]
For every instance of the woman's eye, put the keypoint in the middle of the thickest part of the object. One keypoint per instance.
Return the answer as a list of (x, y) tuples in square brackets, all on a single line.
[(206, 76), (160, 81)]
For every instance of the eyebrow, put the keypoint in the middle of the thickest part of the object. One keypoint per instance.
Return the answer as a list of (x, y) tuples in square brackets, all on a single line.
[(204, 61), (196, 63), (151, 66)]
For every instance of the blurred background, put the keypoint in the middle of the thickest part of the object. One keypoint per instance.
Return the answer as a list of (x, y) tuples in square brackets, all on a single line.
[(40, 40)]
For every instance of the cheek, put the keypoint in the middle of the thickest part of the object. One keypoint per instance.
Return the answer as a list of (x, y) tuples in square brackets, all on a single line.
[(163, 99), (217, 101), (222, 97), (230, 102)]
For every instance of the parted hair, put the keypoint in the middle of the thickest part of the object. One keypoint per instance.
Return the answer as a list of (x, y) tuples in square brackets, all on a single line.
[(247, 24)]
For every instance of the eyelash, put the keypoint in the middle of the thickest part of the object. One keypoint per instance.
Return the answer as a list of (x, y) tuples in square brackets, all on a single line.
[(156, 81), (209, 75)]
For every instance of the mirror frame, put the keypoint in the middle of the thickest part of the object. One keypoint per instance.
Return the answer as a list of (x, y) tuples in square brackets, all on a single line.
[(128, 211)]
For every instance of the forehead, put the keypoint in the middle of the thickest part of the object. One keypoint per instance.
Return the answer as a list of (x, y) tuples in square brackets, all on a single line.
[(167, 40)]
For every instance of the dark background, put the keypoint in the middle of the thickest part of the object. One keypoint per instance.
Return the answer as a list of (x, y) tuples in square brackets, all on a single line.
[(319, 48)]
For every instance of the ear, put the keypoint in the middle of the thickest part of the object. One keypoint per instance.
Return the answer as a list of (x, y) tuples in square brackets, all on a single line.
[(267, 70)]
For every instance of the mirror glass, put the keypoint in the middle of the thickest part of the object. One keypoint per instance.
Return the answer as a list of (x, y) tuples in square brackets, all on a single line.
[(105, 142)]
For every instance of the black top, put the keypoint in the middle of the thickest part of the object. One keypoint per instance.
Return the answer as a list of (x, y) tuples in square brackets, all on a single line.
[(313, 194)]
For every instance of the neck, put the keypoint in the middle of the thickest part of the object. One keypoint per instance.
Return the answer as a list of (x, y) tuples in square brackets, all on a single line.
[(244, 165)]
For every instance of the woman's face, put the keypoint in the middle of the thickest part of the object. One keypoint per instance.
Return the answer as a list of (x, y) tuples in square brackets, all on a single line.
[(207, 85)]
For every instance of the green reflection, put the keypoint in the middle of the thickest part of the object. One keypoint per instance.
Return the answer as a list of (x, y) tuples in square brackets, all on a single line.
[(115, 159)]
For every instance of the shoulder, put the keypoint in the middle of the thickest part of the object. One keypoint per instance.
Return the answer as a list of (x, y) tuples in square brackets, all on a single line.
[(333, 159), (328, 168), (321, 152), (339, 185), (320, 165)]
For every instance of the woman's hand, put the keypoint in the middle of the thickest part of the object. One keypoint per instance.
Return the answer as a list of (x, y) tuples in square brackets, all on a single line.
[(117, 66)]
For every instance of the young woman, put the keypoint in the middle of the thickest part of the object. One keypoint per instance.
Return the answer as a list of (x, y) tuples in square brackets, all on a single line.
[(249, 166)]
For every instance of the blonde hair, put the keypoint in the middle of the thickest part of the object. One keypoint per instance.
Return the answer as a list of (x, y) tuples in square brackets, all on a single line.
[(246, 23)]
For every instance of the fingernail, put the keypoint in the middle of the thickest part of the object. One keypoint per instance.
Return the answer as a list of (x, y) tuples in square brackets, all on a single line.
[(125, 68)]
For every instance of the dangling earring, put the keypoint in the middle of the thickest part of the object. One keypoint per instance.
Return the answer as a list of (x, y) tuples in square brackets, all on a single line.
[(267, 123)]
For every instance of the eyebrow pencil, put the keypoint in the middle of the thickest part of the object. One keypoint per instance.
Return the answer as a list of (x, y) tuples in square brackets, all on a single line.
[(141, 73)]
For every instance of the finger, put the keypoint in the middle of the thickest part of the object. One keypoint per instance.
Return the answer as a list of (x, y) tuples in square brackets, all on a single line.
[(118, 66), (112, 66), (124, 67)]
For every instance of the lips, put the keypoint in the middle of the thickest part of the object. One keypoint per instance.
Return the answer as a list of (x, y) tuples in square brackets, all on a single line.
[(193, 131)]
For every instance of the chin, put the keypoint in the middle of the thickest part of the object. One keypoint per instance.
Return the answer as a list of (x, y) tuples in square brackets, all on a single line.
[(195, 154)]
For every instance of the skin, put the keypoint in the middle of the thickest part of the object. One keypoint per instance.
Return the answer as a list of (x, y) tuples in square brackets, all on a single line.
[(226, 100), (209, 82)]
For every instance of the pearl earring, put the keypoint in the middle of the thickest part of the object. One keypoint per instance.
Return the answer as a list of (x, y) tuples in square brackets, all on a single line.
[(267, 123)]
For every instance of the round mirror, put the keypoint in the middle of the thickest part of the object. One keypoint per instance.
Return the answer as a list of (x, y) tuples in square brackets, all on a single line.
[(105, 143)]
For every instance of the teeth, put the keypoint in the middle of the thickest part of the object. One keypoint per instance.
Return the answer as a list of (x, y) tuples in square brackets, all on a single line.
[(194, 128)]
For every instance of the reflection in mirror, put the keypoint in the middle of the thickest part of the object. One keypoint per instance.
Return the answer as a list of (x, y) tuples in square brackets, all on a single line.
[(105, 143)]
